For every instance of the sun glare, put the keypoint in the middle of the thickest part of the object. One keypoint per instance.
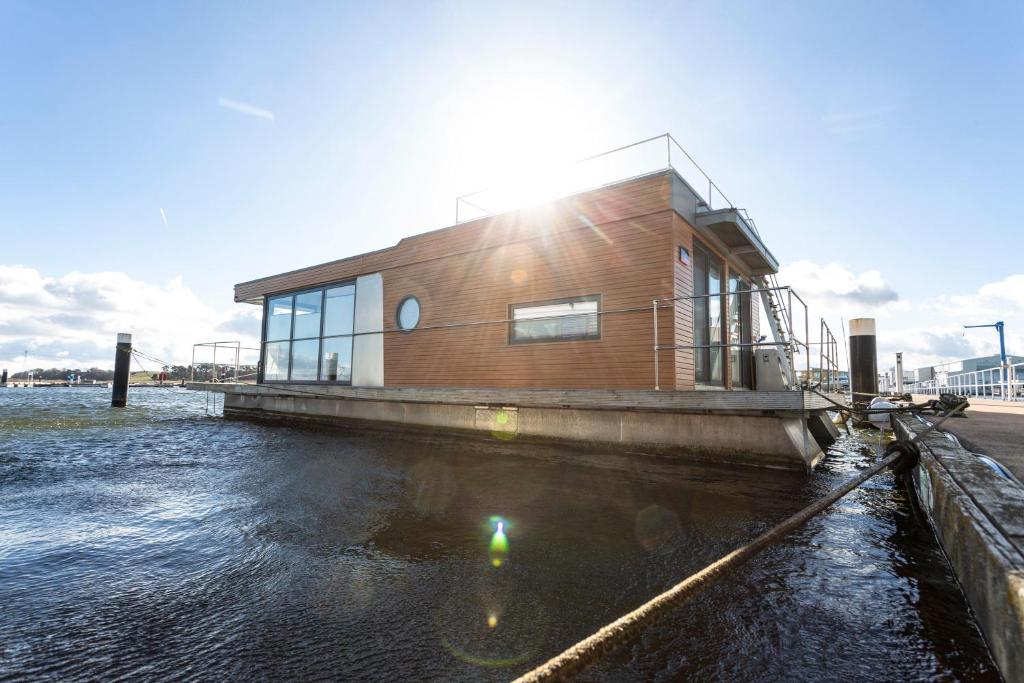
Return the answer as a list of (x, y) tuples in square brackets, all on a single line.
[(520, 136)]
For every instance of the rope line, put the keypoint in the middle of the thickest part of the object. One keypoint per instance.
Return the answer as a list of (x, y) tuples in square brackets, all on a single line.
[(586, 652)]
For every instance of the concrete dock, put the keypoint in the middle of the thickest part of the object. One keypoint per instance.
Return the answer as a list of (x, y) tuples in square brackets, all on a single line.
[(775, 429), (978, 515), (995, 428)]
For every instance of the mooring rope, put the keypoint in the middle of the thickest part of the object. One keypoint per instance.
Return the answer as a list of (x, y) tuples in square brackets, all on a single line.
[(588, 651)]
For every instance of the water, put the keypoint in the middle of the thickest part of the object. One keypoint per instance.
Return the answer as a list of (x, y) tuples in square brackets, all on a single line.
[(156, 542)]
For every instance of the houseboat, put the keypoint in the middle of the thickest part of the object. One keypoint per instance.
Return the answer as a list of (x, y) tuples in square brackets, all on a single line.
[(625, 315)]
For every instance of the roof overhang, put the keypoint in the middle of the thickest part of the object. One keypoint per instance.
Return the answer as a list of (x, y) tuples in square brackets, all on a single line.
[(734, 231)]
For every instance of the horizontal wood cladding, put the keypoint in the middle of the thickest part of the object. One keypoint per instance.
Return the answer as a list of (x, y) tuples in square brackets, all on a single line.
[(683, 377), (624, 262), (634, 198)]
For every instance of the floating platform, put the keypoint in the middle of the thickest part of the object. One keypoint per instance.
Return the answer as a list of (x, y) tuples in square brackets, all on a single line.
[(976, 507), (759, 428)]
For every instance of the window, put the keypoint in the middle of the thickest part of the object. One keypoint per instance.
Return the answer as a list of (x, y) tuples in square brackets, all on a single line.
[(740, 349), (707, 316), (308, 336), (339, 309), (279, 318), (408, 313), (560, 320), (304, 359), (275, 361), (336, 363), (307, 315)]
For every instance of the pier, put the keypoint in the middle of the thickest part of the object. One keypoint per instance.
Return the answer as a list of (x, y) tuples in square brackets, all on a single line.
[(977, 510), (994, 428)]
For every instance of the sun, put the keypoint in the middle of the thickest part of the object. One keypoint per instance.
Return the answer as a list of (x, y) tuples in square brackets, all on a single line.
[(522, 131)]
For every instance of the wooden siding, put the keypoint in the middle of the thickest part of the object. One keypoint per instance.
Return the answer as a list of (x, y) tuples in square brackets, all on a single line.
[(623, 262), (616, 242), (614, 203), (682, 286)]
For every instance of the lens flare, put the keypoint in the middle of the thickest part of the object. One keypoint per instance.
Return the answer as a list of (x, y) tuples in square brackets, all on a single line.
[(497, 551)]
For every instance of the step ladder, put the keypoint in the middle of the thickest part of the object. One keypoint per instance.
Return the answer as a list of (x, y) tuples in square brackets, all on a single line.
[(780, 321)]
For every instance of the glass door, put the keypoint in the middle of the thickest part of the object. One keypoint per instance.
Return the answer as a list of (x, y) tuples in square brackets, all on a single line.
[(740, 351), (708, 317)]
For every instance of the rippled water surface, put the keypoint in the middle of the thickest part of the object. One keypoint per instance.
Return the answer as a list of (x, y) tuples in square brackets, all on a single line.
[(155, 542)]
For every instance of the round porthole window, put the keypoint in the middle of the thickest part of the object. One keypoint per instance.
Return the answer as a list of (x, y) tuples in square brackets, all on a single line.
[(409, 313)]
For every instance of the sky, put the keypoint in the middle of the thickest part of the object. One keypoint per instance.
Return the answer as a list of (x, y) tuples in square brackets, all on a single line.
[(152, 155)]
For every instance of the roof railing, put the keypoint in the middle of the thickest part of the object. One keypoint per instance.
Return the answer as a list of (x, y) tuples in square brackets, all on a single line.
[(651, 155)]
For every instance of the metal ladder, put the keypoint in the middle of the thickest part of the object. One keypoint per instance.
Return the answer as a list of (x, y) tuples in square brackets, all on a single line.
[(780, 320)]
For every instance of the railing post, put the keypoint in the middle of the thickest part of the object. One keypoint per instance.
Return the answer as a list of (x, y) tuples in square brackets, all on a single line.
[(821, 351), (654, 310), (807, 340)]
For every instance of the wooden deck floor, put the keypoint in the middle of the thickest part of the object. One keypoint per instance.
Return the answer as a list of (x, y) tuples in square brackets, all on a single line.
[(592, 399)]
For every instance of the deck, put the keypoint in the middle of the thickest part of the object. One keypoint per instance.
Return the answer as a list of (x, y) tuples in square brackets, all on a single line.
[(729, 402)]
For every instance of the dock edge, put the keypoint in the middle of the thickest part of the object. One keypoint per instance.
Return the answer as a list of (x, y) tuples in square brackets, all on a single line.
[(978, 517)]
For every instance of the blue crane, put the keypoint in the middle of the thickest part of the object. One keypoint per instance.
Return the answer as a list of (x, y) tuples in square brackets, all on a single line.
[(1002, 345)]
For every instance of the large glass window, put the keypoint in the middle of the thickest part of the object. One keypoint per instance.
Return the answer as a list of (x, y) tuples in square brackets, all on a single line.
[(559, 320), (275, 361), (309, 336), (336, 360), (707, 316), (307, 315), (740, 351), (279, 318), (305, 353), (339, 309)]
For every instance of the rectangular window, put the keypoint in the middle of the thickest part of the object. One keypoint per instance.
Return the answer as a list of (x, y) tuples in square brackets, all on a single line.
[(560, 320), (307, 314), (308, 336), (708, 316), (275, 361), (740, 351), (279, 318), (336, 360), (339, 308), (305, 353)]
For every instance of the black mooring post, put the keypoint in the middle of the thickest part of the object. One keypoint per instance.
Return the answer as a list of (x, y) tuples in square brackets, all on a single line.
[(122, 364), (863, 360)]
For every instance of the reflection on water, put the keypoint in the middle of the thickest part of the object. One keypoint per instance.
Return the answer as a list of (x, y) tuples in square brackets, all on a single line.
[(157, 542)]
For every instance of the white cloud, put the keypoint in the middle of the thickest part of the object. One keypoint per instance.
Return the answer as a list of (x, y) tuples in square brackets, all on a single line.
[(72, 320), (251, 110), (927, 331), (838, 289)]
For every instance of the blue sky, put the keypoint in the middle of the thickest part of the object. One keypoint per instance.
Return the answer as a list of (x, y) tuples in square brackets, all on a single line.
[(867, 137)]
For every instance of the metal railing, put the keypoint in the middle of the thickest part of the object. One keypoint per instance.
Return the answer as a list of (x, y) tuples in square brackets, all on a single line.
[(1006, 383), (791, 345), (658, 153), (829, 372), (219, 372)]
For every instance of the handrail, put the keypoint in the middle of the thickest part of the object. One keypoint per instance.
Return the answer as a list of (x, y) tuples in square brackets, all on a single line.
[(1004, 381), (791, 347), (236, 346), (670, 142)]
